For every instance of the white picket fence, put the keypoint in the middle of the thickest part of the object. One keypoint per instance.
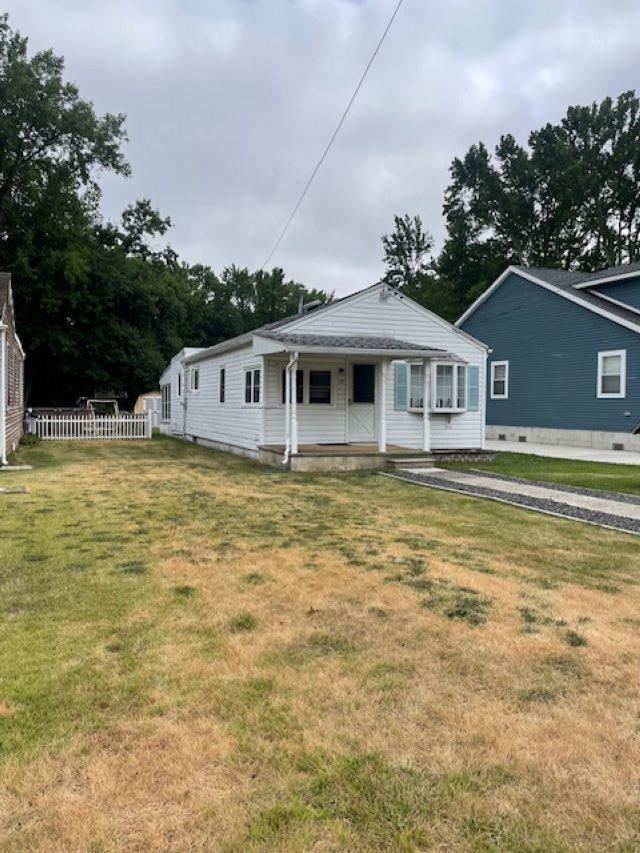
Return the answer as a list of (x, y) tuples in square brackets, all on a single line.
[(101, 427)]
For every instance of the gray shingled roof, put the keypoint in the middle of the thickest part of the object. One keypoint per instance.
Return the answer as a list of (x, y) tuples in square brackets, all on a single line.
[(356, 342), (567, 279), (572, 277)]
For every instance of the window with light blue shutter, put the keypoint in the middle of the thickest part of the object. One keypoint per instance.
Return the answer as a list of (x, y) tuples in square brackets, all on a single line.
[(400, 390), (473, 375)]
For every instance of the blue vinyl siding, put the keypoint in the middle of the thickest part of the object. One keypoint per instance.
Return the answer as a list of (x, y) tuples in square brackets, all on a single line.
[(627, 291), (552, 348)]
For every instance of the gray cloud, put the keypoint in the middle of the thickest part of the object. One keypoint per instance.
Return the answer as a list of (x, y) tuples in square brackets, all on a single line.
[(229, 105)]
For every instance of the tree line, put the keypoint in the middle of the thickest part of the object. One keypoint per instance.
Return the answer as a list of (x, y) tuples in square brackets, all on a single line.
[(569, 199), (102, 306), (101, 310)]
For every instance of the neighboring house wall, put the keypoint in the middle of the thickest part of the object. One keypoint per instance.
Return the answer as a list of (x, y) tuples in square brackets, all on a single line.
[(626, 291), (552, 348), (13, 368)]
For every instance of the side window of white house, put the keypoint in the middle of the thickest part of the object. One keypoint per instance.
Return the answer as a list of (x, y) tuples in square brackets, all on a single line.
[(166, 402), (223, 384), (180, 384), (499, 380), (612, 374), (252, 386), (194, 379)]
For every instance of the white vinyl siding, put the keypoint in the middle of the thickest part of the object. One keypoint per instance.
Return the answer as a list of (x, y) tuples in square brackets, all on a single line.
[(369, 314), (612, 374), (247, 426), (233, 422)]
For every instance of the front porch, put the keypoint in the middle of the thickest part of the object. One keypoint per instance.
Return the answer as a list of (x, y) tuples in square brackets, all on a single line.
[(343, 457), (346, 402)]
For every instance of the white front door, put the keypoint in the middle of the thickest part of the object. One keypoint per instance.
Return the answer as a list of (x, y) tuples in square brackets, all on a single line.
[(362, 402)]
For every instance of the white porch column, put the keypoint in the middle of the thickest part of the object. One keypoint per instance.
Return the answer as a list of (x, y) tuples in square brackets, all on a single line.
[(382, 408), (426, 405), (294, 405)]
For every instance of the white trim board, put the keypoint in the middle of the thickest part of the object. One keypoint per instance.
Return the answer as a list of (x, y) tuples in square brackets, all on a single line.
[(492, 379), (616, 302), (622, 393), (635, 327), (596, 282)]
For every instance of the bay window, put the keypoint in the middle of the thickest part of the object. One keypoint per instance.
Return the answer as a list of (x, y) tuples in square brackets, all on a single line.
[(448, 387), (416, 386)]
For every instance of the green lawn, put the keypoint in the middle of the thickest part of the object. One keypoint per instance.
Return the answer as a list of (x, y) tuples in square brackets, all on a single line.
[(592, 475), (197, 653)]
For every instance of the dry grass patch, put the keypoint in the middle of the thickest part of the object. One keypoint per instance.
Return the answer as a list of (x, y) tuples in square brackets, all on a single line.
[(365, 665)]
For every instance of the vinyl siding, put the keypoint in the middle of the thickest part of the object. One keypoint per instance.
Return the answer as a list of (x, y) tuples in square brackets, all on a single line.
[(627, 291), (232, 422), (14, 377), (552, 348), (366, 313)]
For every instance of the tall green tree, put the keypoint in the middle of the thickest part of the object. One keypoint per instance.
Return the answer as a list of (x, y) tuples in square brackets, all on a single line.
[(101, 306), (409, 265), (569, 199)]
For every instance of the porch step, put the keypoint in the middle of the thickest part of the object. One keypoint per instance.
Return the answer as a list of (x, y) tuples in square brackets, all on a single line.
[(397, 462)]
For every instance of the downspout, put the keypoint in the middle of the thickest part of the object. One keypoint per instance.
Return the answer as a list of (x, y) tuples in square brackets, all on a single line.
[(3, 393), (287, 408)]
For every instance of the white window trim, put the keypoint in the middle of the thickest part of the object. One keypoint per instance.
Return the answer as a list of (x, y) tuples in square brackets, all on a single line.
[(250, 368), (432, 407), (165, 402), (410, 365), (454, 390), (622, 393), (191, 374), (504, 364)]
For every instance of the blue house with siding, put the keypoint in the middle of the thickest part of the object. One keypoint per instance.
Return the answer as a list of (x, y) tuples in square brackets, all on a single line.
[(564, 359)]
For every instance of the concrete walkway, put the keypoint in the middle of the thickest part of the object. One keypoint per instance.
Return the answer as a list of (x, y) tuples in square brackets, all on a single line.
[(587, 505), (559, 451)]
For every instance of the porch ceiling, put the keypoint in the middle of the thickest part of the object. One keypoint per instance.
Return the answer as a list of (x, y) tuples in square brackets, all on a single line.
[(347, 345)]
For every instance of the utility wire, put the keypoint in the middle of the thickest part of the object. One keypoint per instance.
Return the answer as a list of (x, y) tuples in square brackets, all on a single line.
[(333, 136)]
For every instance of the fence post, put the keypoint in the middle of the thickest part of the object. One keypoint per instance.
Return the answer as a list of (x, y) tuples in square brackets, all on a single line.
[(149, 424)]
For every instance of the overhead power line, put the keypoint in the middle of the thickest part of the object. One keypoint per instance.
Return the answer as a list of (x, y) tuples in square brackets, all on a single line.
[(333, 136)]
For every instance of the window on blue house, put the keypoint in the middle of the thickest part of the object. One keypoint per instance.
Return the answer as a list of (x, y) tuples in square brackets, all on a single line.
[(499, 380), (612, 370)]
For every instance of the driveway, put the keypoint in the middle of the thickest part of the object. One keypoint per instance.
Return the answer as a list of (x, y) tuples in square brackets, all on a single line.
[(559, 451), (592, 506)]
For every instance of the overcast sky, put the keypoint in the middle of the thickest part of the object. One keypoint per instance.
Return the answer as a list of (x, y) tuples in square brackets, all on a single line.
[(229, 104)]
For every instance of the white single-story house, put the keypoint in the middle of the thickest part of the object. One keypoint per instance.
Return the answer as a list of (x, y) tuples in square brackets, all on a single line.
[(353, 383)]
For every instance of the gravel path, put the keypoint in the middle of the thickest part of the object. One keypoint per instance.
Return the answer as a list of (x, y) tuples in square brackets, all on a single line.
[(602, 509), (619, 497)]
